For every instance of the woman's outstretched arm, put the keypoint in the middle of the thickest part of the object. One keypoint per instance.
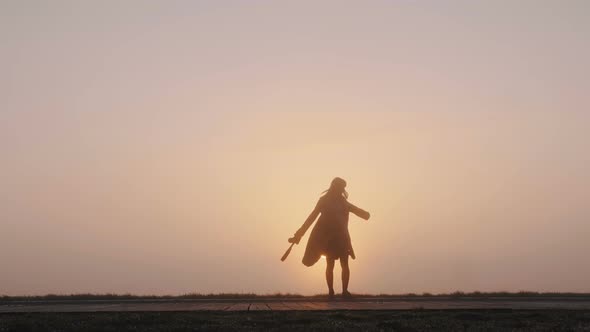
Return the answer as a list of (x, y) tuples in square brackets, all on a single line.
[(359, 212), (308, 222)]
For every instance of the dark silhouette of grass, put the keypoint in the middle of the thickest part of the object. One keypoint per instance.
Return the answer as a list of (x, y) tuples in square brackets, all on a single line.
[(104, 297), (100, 297)]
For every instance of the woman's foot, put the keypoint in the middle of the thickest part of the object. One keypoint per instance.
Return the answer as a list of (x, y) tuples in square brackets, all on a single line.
[(331, 294), (346, 294)]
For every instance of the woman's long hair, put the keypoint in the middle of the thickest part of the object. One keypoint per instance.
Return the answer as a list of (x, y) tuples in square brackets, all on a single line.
[(337, 188)]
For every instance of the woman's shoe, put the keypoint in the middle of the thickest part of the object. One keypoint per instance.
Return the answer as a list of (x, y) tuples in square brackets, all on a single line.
[(346, 295), (331, 295)]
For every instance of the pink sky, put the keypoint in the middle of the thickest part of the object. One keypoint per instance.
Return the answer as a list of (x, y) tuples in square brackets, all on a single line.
[(166, 147)]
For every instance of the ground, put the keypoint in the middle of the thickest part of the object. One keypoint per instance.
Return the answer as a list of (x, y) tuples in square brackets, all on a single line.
[(414, 313), (397, 320)]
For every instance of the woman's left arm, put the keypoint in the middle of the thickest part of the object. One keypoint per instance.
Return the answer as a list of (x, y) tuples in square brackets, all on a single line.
[(312, 217), (359, 212)]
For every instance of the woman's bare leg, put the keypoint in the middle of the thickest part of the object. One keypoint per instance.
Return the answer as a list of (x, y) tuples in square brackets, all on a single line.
[(330, 274), (345, 274)]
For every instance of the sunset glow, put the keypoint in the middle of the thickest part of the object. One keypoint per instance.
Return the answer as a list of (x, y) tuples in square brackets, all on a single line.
[(154, 148)]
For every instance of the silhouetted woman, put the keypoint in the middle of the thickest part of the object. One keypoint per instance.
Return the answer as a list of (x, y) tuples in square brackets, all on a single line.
[(330, 236)]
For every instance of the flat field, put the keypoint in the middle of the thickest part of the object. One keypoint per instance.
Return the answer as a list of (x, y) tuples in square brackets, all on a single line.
[(473, 312), (340, 320)]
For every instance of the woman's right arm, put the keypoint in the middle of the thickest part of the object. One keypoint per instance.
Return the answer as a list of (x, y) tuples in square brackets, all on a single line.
[(359, 212)]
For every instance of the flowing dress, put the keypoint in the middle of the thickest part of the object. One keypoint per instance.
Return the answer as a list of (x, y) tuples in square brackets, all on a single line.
[(330, 236)]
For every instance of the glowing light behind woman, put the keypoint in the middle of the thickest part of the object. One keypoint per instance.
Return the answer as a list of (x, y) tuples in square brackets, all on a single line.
[(169, 147)]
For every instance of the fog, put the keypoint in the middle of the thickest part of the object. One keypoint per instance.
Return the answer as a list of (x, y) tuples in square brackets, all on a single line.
[(168, 147)]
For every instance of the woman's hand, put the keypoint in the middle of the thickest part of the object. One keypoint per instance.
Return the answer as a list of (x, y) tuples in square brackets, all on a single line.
[(363, 214), (359, 212), (295, 239)]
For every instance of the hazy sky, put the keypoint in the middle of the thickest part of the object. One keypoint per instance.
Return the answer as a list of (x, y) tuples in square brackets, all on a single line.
[(165, 147)]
